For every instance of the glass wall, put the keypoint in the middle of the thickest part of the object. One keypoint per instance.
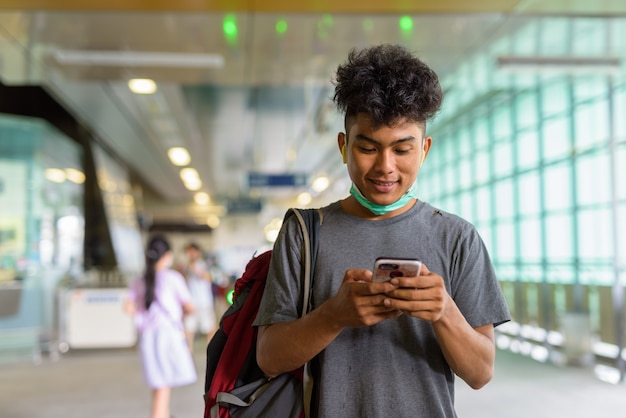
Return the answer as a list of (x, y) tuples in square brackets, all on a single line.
[(536, 160), (41, 228)]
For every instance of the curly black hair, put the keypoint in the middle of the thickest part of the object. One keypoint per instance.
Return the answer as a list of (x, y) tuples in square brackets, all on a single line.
[(388, 83)]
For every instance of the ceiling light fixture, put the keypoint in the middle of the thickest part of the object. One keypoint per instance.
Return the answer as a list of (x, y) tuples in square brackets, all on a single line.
[(137, 59), (179, 156), (74, 175), (304, 198), (320, 184), (272, 228), (560, 64), (189, 173), (202, 198), (191, 179), (213, 221), (142, 86), (193, 184), (55, 175)]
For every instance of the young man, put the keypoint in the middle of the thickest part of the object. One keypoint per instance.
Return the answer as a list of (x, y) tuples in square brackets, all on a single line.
[(386, 349)]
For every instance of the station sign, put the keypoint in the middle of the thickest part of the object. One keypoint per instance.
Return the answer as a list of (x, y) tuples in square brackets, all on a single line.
[(276, 180), (243, 206)]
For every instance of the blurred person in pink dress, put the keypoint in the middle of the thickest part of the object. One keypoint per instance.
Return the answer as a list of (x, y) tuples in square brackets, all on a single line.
[(158, 302)]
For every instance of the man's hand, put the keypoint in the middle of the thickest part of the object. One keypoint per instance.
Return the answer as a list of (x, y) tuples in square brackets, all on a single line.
[(424, 296), (360, 302)]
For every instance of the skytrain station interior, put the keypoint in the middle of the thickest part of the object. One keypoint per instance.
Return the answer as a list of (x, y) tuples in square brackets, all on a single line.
[(205, 121)]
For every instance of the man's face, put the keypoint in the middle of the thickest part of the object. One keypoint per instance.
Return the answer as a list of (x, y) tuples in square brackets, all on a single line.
[(384, 162)]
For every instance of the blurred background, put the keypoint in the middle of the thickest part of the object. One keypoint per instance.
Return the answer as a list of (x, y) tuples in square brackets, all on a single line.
[(206, 120)]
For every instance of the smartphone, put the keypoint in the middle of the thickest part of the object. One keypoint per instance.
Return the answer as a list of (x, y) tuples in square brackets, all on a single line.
[(386, 268)]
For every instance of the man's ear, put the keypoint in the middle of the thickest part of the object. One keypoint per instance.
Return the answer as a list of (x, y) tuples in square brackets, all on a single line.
[(341, 142), (426, 144)]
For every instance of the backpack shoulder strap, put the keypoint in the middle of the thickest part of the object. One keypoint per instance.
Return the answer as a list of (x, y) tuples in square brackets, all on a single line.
[(310, 221)]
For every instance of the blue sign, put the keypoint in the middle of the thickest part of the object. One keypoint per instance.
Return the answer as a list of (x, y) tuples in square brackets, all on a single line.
[(243, 206), (277, 180)]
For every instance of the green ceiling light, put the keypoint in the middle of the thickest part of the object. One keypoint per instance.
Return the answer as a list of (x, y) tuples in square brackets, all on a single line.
[(281, 27), (229, 26), (406, 24), (328, 20), (367, 25), (324, 25)]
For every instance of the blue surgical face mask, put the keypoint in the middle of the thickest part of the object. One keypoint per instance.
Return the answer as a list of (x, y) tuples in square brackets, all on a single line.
[(384, 209)]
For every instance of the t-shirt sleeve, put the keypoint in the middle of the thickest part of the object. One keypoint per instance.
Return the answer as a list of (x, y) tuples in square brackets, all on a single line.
[(281, 300), (475, 287)]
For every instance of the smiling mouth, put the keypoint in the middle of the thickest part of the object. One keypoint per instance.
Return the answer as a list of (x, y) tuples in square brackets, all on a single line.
[(383, 183)]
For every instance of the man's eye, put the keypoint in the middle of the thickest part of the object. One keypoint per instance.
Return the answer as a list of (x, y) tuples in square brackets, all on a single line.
[(367, 150), (402, 151)]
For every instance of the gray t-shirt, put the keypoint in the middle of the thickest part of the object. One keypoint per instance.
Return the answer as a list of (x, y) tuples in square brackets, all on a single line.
[(394, 368)]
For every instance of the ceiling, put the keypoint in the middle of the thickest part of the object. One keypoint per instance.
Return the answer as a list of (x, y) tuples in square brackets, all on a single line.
[(247, 87)]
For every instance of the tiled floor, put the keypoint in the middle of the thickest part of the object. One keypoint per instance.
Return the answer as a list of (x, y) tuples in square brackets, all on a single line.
[(107, 384)]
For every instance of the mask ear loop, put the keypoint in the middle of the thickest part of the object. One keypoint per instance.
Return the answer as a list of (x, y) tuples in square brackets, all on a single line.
[(343, 154), (423, 158)]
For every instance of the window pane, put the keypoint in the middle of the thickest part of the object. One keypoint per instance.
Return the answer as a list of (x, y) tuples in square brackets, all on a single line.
[(527, 150), (621, 172), (559, 238), (449, 155), (593, 179), (592, 124), (557, 184), (528, 194), (483, 204), (464, 144), (504, 199), (451, 182), (589, 36), (556, 139), (465, 173), (620, 111), (525, 40), (530, 239), (481, 169), (526, 110), (589, 87), (428, 187), (555, 98), (503, 158), (554, 35), (502, 123), (595, 234), (506, 242), (466, 206), (482, 73), (481, 133)]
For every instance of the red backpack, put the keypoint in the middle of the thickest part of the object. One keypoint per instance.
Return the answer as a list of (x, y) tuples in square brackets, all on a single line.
[(235, 386)]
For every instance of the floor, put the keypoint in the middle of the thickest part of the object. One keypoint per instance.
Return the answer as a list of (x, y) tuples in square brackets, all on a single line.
[(107, 383)]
